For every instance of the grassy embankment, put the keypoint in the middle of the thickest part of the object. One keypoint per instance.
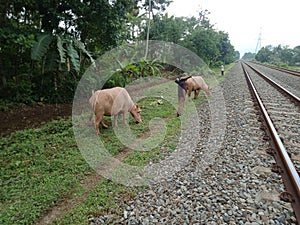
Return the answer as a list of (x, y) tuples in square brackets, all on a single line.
[(42, 167)]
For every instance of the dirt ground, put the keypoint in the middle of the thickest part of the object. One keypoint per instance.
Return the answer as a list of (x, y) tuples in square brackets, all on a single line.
[(25, 117)]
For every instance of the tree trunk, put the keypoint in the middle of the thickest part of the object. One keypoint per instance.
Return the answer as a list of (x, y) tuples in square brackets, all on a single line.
[(148, 31)]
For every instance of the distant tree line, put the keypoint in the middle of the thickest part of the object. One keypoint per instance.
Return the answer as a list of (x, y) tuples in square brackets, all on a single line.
[(47, 45), (248, 56), (280, 55)]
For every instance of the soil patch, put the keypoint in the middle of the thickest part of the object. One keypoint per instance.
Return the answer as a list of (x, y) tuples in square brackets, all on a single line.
[(25, 117)]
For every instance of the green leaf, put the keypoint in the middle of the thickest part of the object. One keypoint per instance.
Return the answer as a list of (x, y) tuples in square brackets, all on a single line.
[(74, 57), (81, 46), (61, 50), (51, 60), (41, 46)]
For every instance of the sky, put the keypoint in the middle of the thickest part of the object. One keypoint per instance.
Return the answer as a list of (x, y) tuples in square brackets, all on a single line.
[(276, 22)]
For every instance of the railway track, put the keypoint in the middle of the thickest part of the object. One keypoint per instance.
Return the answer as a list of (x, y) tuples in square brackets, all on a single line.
[(286, 71), (280, 114), (285, 79)]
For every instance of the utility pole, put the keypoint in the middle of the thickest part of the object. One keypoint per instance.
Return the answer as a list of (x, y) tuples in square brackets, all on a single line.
[(258, 45)]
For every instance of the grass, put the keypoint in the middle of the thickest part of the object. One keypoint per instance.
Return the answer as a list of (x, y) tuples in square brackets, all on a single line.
[(150, 149), (151, 109), (41, 167)]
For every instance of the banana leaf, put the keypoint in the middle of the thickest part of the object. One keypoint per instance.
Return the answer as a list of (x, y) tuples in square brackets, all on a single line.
[(41, 46)]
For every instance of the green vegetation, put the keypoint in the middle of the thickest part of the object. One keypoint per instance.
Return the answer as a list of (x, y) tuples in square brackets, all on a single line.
[(282, 56), (42, 167), (196, 34), (39, 167), (48, 45), (128, 73)]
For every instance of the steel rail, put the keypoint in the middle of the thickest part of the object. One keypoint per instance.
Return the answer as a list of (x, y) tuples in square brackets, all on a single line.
[(291, 178), (292, 72), (278, 86)]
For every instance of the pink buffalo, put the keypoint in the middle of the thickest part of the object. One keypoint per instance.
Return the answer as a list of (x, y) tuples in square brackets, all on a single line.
[(196, 84), (112, 102)]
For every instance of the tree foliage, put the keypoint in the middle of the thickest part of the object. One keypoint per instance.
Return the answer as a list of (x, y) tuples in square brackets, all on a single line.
[(47, 45), (44, 43), (248, 56), (197, 34), (279, 55)]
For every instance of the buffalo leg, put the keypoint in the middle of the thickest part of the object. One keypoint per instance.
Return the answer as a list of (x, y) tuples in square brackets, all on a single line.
[(116, 120), (98, 119), (197, 93), (125, 118), (189, 94)]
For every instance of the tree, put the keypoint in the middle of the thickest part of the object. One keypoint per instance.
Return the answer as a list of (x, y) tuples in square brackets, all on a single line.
[(248, 56), (46, 45), (227, 53), (212, 46), (296, 56), (197, 34), (202, 42), (286, 55), (45, 39), (264, 54), (237, 55), (279, 55), (166, 28)]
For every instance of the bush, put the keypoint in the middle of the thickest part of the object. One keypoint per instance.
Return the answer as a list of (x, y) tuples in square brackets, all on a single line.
[(131, 72), (20, 91)]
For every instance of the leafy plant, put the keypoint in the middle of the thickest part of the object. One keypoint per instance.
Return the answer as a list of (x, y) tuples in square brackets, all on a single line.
[(41, 46), (149, 67), (127, 74), (64, 50)]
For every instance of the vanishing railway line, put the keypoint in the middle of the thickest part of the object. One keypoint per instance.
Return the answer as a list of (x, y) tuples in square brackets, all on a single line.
[(286, 71), (280, 114), (290, 80)]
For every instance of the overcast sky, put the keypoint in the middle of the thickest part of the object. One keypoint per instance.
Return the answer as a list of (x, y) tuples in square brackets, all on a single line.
[(277, 21)]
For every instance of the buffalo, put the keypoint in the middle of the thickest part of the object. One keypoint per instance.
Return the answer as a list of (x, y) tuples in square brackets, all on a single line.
[(112, 102)]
